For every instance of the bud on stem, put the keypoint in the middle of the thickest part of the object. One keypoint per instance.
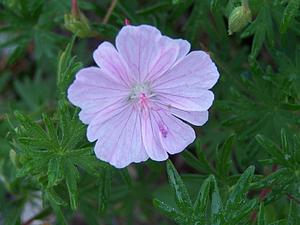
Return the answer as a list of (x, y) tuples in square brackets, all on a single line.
[(77, 23), (239, 18), (126, 22)]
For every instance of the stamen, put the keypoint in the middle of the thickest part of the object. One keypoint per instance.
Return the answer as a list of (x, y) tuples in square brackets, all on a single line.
[(140, 91)]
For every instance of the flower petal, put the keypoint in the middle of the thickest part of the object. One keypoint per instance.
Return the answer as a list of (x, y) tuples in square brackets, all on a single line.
[(101, 122), (151, 138), (93, 90), (197, 118), (174, 134), (86, 117), (196, 69), (120, 142), (184, 48), (146, 51), (188, 98), (112, 63)]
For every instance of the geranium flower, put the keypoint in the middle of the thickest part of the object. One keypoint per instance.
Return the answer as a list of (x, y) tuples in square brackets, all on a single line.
[(135, 101)]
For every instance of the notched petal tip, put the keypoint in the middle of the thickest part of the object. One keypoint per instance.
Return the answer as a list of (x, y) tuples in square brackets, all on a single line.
[(197, 118), (103, 47), (136, 29)]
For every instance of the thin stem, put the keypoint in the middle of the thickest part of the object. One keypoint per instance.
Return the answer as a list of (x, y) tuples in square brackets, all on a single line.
[(109, 11), (291, 197)]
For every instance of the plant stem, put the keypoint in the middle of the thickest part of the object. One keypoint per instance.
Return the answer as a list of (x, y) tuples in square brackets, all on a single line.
[(109, 11), (291, 197)]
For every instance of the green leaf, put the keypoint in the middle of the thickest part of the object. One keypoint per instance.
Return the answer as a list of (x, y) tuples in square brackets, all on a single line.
[(51, 129), (241, 213), (183, 200), (242, 186), (54, 198), (284, 141), (261, 215), (214, 5), (271, 148), (72, 130), (85, 159), (71, 175), (104, 189), (67, 66), (293, 215), (199, 165), (202, 200), (202, 158), (289, 13), (59, 214), (13, 212), (31, 128), (258, 41), (262, 28), (224, 157), (290, 106), (126, 177), (216, 202), (280, 175), (169, 211), (54, 171)]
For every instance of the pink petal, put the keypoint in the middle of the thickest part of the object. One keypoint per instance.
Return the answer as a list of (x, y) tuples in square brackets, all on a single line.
[(174, 134), (93, 90), (120, 141), (184, 48), (146, 51), (112, 63), (86, 117), (151, 138), (188, 98), (101, 121), (197, 118), (168, 55), (196, 69)]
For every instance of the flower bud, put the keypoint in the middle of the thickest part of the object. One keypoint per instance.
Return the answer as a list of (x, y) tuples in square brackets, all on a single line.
[(239, 18), (78, 25), (126, 22)]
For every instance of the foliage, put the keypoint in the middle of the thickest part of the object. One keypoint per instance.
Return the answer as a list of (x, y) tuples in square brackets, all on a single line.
[(234, 210), (244, 167)]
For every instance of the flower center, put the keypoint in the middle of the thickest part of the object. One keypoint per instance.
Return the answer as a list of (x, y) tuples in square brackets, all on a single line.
[(141, 94)]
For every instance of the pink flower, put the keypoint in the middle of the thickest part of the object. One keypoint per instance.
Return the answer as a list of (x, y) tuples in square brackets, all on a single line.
[(135, 102)]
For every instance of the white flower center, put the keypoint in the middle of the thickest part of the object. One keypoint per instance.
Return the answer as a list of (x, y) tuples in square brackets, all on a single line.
[(140, 94), (140, 90)]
